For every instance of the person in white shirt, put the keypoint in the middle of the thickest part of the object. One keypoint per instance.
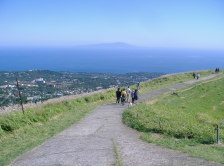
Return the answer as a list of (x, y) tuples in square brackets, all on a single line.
[(128, 92), (198, 76)]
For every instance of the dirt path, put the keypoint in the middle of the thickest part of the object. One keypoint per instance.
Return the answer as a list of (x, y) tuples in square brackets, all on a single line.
[(91, 142)]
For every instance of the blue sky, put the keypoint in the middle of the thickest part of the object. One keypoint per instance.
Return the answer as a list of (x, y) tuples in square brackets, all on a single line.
[(148, 23)]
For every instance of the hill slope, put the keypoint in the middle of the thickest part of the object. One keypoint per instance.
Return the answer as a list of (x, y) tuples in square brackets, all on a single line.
[(20, 133), (185, 119)]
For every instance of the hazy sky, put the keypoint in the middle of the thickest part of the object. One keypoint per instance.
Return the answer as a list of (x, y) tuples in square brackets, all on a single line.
[(151, 23)]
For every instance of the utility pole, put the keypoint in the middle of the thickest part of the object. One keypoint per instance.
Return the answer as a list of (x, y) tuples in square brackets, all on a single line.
[(20, 96)]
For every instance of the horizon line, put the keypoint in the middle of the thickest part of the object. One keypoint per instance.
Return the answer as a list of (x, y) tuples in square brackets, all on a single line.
[(109, 44)]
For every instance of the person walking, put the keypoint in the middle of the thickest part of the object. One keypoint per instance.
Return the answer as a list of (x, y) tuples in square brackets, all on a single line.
[(198, 76), (123, 96), (128, 92), (194, 75), (118, 95), (136, 94), (138, 85), (133, 96)]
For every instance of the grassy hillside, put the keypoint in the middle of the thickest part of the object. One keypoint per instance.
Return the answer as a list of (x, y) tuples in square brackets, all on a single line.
[(169, 80), (20, 133), (184, 120)]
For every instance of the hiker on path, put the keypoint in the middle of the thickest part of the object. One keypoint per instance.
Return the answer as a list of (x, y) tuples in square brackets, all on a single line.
[(133, 96), (217, 70), (118, 95), (198, 76), (138, 85), (194, 75), (123, 96), (128, 92)]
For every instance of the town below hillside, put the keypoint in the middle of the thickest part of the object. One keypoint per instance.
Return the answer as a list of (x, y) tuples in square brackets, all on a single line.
[(40, 85)]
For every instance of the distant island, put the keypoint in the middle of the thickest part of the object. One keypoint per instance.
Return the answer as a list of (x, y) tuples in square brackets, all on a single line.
[(41, 85), (114, 45)]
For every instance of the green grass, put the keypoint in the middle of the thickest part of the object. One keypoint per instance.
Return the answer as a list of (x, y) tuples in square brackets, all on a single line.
[(210, 152), (170, 80), (20, 133), (117, 155), (185, 122)]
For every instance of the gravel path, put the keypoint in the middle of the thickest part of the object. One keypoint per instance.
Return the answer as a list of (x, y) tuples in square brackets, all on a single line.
[(91, 143)]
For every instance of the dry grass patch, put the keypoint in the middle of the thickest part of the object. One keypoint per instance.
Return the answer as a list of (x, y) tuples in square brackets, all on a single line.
[(151, 102), (214, 107), (202, 96), (157, 136)]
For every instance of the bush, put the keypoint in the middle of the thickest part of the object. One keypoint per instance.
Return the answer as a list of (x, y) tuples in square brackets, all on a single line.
[(6, 127)]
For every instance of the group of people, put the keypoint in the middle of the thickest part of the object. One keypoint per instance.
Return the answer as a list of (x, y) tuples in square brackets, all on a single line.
[(124, 95), (217, 70), (196, 75)]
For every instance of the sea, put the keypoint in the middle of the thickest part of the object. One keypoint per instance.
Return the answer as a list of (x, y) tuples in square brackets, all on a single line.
[(113, 60)]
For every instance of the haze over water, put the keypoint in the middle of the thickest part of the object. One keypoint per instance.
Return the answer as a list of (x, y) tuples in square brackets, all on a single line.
[(115, 60)]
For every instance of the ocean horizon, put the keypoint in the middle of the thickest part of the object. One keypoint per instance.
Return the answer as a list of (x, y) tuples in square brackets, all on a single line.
[(113, 60)]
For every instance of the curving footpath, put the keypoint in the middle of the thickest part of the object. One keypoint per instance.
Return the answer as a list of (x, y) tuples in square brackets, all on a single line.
[(92, 142)]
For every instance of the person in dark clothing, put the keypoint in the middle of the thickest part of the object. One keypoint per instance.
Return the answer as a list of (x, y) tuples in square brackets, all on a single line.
[(136, 94), (118, 95), (133, 96), (217, 70), (138, 85)]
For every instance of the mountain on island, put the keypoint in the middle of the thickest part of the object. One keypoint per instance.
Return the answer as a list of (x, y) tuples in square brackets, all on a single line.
[(109, 45)]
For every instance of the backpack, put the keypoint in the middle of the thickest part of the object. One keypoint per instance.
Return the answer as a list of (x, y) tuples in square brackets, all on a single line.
[(132, 94), (128, 91)]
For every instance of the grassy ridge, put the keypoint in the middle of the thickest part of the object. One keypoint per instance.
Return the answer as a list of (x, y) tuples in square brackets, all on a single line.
[(185, 121), (170, 80), (16, 120), (20, 133)]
